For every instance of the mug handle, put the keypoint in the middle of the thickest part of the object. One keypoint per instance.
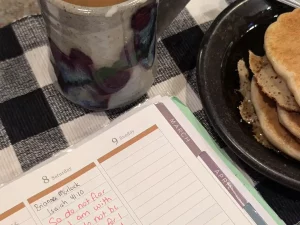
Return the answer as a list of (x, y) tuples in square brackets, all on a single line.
[(168, 10)]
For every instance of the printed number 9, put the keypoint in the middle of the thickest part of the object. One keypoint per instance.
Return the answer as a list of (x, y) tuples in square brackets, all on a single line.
[(115, 140), (45, 179)]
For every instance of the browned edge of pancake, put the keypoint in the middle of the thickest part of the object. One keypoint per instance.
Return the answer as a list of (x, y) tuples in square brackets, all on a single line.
[(257, 63), (266, 111), (290, 120), (246, 107), (282, 47)]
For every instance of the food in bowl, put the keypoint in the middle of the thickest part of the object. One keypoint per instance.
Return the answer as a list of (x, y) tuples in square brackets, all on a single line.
[(272, 97)]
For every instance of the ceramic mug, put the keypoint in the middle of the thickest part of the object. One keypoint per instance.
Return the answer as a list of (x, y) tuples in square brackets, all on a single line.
[(104, 57)]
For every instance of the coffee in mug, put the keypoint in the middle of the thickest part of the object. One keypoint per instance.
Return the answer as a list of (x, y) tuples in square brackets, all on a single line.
[(104, 55)]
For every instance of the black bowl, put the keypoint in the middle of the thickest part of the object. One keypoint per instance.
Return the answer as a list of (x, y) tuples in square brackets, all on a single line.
[(238, 29)]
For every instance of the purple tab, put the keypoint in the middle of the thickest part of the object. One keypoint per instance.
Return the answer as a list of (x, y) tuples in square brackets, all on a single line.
[(179, 129), (223, 179), (204, 156)]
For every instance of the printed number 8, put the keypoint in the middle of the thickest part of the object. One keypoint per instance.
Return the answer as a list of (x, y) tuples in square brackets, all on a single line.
[(45, 179)]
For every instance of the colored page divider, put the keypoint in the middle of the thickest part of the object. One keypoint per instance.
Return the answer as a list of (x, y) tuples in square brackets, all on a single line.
[(61, 183), (127, 144), (12, 211)]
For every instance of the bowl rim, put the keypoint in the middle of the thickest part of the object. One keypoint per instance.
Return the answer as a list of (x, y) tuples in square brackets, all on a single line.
[(215, 120)]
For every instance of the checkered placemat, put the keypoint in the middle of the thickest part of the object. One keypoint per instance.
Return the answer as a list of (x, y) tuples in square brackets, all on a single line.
[(36, 121)]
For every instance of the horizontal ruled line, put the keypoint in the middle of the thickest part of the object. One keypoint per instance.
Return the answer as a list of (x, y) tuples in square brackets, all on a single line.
[(125, 170), (200, 214), (95, 212), (158, 182), (82, 185), (225, 222), (127, 144), (26, 220), (151, 175), (106, 194), (164, 189), (61, 183), (12, 211), (131, 155), (140, 149), (214, 217), (189, 208), (183, 189), (123, 217), (119, 220), (88, 193)]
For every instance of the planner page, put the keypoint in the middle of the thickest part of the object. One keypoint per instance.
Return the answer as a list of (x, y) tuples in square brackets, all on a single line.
[(151, 168)]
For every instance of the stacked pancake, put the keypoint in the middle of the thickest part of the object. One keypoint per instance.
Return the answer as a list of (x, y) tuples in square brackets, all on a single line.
[(275, 87)]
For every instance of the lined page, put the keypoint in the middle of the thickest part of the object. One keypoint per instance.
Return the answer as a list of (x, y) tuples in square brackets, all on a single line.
[(150, 169), (17, 215), (159, 186), (85, 198)]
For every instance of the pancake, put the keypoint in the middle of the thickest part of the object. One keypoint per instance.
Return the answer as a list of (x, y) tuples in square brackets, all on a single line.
[(290, 120), (277, 135), (271, 83), (282, 48), (256, 63), (246, 108)]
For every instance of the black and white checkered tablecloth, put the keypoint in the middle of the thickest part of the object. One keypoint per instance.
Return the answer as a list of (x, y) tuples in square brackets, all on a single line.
[(36, 121)]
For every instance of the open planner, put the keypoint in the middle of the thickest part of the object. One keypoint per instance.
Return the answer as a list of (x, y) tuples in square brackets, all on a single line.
[(155, 165)]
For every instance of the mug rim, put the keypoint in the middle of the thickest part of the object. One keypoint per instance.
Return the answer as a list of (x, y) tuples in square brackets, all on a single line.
[(94, 11)]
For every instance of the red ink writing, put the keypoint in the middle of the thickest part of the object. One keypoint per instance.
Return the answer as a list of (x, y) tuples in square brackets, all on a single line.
[(84, 204), (69, 213), (54, 221), (104, 201), (113, 209), (111, 221), (95, 196), (100, 217), (83, 215), (96, 206)]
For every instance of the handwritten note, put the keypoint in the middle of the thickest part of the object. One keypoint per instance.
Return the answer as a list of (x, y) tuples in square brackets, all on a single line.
[(135, 173), (85, 198)]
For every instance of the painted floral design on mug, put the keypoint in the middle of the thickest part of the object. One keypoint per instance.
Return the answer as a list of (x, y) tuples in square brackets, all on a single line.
[(92, 87), (143, 24)]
